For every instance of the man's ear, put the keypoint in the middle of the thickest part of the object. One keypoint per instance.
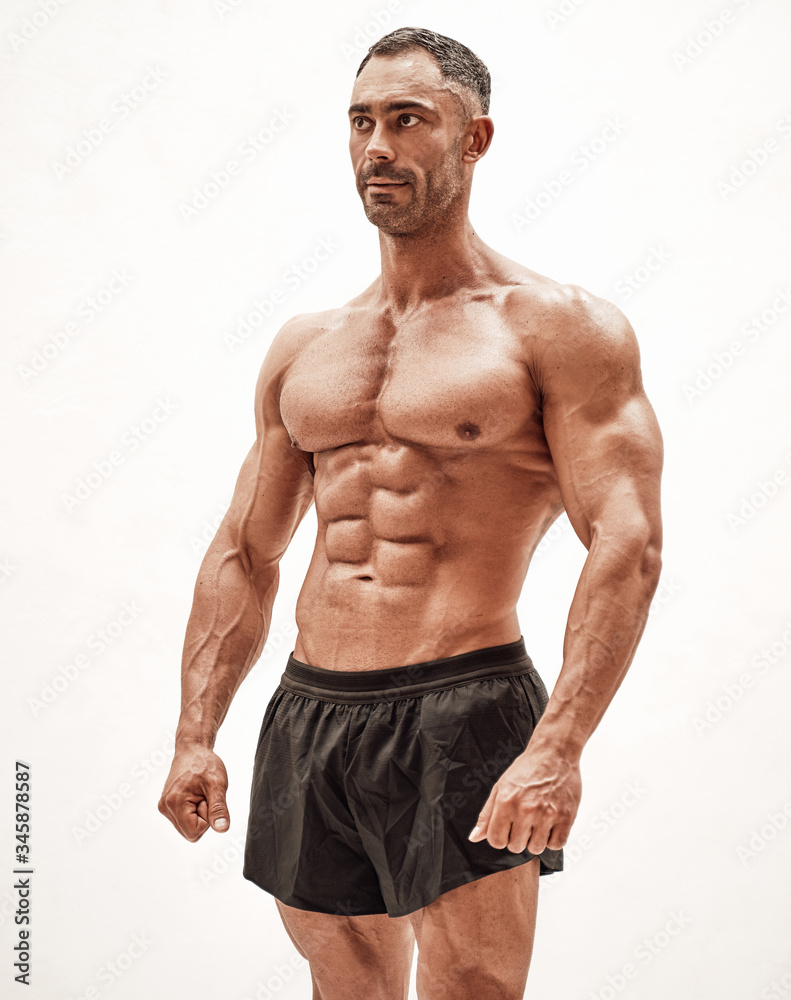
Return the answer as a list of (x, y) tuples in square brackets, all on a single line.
[(477, 138)]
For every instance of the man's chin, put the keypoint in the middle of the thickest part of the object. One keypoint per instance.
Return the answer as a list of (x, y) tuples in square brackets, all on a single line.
[(390, 219)]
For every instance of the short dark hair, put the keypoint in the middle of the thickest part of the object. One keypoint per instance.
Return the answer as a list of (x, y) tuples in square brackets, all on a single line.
[(456, 61)]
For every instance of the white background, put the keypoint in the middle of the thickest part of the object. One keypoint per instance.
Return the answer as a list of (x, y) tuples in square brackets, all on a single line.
[(690, 764)]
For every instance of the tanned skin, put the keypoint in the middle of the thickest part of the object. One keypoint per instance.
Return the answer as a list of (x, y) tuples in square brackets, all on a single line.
[(440, 421)]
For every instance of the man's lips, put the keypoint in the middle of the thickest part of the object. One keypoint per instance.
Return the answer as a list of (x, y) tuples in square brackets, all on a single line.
[(376, 182)]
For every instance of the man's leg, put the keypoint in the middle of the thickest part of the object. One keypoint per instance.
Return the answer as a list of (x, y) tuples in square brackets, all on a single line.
[(353, 958), (475, 942)]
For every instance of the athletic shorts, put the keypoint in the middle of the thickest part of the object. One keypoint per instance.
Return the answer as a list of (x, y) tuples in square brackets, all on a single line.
[(366, 784)]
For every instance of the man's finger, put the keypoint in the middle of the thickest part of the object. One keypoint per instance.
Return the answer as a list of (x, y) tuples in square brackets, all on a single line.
[(481, 827), (190, 819), (521, 830), (537, 843), (558, 836), (498, 829), (540, 825)]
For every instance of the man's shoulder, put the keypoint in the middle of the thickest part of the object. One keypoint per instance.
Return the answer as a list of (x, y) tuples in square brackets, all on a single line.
[(298, 332), (302, 328), (564, 322), (298, 329)]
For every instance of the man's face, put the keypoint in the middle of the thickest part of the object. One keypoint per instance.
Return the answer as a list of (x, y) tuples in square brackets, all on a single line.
[(406, 134)]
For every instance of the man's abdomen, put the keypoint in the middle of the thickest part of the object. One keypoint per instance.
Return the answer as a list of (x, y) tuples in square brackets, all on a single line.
[(419, 554)]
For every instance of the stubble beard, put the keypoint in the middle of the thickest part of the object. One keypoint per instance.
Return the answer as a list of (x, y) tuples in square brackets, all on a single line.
[(427, 209)]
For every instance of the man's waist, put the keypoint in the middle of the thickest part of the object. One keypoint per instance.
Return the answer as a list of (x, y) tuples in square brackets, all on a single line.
[(408, 680)]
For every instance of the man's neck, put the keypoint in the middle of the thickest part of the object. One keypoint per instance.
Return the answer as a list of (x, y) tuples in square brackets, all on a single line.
[(419, 267)]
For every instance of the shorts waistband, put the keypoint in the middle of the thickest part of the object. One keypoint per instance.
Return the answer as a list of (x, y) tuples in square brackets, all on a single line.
[(393, 683)]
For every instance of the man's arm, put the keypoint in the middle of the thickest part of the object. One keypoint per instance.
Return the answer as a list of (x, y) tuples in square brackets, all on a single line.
[(233, 598), (607, 451)]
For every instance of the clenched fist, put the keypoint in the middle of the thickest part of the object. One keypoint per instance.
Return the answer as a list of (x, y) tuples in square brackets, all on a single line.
[(194, 794)]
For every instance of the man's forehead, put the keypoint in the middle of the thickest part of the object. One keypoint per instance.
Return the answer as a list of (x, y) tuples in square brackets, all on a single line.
[(413, 75)]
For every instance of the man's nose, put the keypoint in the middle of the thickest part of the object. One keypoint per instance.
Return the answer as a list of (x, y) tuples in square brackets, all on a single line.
[(379, 147)]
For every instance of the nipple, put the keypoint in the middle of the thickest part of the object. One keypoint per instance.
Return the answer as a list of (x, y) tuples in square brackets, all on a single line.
[(468, 430)]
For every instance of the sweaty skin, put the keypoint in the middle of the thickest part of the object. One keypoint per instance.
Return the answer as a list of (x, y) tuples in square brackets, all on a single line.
[(433, 478), (440, 422)]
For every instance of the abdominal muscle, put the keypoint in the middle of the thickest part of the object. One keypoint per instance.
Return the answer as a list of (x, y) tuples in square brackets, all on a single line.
[(420, 553)]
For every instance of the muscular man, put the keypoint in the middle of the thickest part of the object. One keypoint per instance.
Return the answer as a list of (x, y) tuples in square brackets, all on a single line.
[(411, 778)]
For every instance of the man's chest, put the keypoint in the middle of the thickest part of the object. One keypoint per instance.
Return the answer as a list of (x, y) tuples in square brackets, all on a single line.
[(448, 380)]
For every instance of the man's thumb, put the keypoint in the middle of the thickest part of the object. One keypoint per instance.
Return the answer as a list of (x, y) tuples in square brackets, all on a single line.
[(481, 827), (218, 813)]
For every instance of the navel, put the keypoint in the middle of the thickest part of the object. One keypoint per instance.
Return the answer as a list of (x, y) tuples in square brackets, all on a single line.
[(468, 430)]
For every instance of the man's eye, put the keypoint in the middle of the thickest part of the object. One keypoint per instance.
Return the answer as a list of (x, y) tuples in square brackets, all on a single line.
[(358, 122), (413, 117)]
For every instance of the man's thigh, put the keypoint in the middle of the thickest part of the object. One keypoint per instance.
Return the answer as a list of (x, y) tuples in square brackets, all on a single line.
[(353, 958), (476, 941)]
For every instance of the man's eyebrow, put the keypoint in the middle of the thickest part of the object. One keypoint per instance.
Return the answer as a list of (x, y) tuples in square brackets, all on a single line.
[(364, 109)]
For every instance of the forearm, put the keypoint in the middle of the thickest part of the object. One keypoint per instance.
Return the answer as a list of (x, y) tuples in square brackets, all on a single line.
[(606, 620), (227, 628)]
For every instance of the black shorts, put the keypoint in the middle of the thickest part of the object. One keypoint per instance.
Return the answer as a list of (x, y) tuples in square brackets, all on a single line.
[(366, 784)]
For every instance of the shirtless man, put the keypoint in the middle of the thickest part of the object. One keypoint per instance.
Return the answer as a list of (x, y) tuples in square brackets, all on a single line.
[(441, 421)]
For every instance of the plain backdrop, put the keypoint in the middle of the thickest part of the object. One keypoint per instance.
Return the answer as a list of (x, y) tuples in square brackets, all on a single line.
[(143, 280)]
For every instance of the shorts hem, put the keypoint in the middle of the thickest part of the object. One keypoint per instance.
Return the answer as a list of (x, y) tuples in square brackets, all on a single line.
[(459, 881), (316, 907)]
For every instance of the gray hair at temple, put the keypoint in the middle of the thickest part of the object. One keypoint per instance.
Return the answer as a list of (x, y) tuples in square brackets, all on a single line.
[(456, 61)]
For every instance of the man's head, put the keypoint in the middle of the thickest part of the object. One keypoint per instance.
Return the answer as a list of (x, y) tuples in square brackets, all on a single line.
[(419, 120)]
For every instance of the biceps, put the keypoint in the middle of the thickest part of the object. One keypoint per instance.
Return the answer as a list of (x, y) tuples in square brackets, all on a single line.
[(609, 469), (273, 493)]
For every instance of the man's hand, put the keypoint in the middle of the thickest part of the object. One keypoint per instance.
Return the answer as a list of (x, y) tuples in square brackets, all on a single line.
[(533, 804), (194, 794)]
